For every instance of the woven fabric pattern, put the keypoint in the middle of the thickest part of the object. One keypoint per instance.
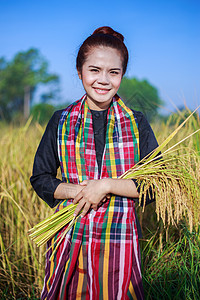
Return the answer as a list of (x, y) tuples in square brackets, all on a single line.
[(99, 258)]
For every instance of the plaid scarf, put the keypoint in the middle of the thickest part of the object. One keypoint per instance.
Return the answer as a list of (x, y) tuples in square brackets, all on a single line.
[(99, 258)]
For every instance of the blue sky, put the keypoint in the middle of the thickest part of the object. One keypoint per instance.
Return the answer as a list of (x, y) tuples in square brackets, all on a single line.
[(163, 39)]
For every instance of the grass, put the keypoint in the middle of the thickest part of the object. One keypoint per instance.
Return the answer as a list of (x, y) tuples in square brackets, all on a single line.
[(21, 263), (174, 271), (170, 255)]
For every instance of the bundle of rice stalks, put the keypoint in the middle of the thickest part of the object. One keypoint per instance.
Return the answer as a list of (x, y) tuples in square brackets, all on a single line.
[(172, 182), (169, 178)]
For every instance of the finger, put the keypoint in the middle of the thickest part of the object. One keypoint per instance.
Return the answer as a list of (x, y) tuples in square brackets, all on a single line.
[(84, 182), (79, 207), (95, 207), (85, 209), (78, 197), (104, 199)]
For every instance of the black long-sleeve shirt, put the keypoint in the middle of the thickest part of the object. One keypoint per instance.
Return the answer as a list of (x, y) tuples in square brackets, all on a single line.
[(46, 161)]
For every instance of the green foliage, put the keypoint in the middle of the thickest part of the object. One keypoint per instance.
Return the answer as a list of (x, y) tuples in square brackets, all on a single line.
[(42, 112), (20, 77), (140, 95), (172, 272)]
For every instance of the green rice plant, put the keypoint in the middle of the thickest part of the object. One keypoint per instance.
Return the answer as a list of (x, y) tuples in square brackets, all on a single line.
[(174, 272), (6, 261)]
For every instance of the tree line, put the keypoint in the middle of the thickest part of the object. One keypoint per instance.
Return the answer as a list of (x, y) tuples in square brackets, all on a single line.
[(21, 76), (19, 79)]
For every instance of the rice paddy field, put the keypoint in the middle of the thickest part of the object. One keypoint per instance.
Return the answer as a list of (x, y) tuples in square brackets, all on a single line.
[(170, 252)]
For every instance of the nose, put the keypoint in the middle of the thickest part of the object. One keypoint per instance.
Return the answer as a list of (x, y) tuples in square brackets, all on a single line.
[(103, 78)]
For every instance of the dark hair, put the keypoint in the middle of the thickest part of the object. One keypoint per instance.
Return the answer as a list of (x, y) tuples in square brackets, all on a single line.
[(103, 36)]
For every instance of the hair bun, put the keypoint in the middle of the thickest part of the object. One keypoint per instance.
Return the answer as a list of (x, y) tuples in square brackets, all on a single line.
[(110, 31)]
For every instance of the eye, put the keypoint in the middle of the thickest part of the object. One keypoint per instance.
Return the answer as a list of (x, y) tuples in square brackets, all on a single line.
[(94, 70), (114, 72)]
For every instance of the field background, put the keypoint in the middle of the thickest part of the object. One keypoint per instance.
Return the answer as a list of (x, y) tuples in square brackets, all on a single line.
[(39, 43), (170, 255)]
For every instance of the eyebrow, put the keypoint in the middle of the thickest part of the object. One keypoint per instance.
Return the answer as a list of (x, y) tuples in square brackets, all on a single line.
[(91, 66)]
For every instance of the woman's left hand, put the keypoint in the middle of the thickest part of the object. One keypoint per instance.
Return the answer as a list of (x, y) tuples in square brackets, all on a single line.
[(94, 193)]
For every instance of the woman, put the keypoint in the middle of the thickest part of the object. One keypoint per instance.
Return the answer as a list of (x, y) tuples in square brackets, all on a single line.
[(94, 141)]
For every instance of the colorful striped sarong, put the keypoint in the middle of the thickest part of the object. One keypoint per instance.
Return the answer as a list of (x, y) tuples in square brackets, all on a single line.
[(100, 257)]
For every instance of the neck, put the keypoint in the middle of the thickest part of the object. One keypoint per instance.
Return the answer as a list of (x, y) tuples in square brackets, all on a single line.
[(94, 105)]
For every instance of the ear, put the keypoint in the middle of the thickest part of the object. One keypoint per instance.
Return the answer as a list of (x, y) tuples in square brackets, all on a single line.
[(79, 75)]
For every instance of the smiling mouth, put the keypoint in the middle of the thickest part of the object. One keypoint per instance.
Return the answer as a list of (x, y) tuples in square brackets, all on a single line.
[(101, 91)]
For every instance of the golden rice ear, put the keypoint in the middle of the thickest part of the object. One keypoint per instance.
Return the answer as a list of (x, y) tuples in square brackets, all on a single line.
[(171, 136), (176, 187)]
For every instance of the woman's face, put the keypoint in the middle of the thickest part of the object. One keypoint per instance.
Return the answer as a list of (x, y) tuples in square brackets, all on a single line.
[(101, 76)]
